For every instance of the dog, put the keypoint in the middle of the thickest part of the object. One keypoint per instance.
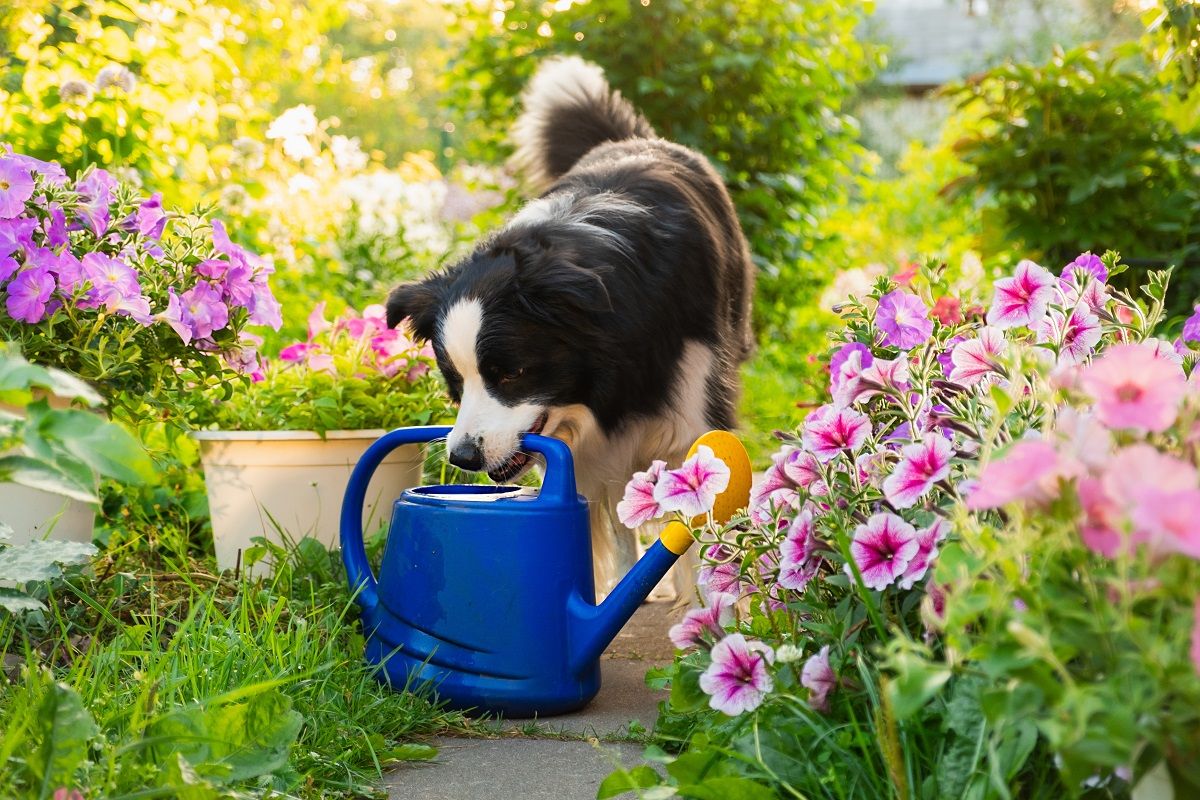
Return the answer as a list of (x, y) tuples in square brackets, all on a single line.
[(611, 312)]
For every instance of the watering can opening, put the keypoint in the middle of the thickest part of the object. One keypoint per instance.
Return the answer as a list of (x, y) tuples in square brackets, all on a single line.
[(473, 493)]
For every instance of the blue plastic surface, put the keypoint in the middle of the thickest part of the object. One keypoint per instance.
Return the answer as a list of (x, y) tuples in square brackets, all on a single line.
[(490, 600)]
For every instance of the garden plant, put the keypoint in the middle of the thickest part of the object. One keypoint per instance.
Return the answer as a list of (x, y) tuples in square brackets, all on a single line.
[(969, 568)]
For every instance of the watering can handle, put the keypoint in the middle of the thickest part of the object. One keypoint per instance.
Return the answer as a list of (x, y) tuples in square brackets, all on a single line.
[(354, 552), (558, 486)]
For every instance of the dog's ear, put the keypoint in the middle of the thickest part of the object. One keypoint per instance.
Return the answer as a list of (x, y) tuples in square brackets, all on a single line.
[(419, 302), (553, 288)]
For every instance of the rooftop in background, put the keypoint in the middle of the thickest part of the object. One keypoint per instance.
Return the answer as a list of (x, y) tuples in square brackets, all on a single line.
[(937, 41)]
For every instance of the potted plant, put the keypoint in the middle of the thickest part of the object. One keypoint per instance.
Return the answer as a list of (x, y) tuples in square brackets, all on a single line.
[(142, 303), (277, 454)]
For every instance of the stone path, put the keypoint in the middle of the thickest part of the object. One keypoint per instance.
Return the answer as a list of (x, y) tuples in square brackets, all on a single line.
[(559, 758)]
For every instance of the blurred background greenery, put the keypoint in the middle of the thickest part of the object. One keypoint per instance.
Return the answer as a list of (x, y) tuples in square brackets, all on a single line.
[(360, 143)]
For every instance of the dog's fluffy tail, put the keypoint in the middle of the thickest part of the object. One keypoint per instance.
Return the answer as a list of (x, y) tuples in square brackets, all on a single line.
[(569, 108)]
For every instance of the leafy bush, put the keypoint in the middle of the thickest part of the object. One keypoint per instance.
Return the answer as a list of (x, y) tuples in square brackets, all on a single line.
[(352, 374), (108, 285), (758, 87), (972, 573), (1080, 151)]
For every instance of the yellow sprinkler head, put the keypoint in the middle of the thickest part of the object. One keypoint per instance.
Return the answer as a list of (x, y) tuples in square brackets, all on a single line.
[(676, 537)]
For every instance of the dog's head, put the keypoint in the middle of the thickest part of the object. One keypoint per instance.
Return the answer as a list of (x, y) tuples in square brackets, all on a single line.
[(510, 327)]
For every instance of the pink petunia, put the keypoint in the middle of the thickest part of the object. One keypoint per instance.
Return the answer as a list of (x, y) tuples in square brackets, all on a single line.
[(693, 488), (903, 319), (1023, 298), (1134, 389), (801, 467), (720, 577), (976, 360), (818, 677), (1099, 528), (883, 376), (1029, 472), (800, 541), (796, 575), (738, 679), (828, 431), (295, 353), (785, 499), (921, 466), (1168, 520), (697, 622), (639, 506), (927, 550), (1080, 435), (317, 324), (882, 549), (772, 480), (1075, 336)]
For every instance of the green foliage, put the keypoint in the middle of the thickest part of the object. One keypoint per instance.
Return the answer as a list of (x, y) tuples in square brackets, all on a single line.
[(204, 687), (758, 87), (1078, 153)]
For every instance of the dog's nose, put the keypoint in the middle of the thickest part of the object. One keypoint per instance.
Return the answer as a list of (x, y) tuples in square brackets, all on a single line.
[(467, 455)]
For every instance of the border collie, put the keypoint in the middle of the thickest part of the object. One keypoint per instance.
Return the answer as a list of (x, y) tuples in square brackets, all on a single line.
[(611, 312)]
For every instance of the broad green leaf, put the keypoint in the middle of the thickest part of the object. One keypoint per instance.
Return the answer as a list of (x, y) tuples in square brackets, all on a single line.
[(686, 694), (39, 475), (15, 602), (622, 781), (916, 681), (104, 446), (64, 727), (40, 561), (728, 788), (178, 776), (231, 742)]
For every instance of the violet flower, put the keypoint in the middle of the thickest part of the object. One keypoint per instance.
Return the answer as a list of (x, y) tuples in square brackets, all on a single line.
[(903, 319), (16, 187), (29, 293)]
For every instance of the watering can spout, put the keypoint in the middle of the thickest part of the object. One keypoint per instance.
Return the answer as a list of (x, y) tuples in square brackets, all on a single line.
[(595, 626)]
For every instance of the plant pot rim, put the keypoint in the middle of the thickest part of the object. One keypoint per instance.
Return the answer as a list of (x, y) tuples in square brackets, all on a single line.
[(278, 436)]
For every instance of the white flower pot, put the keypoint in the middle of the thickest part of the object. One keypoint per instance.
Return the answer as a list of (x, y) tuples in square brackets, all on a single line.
[(262, 482), (35, 515)]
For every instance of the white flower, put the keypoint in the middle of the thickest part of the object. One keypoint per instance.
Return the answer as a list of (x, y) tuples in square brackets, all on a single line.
[(787, 653), (347, 154), (74, 90), (294, 126), (115, 75)]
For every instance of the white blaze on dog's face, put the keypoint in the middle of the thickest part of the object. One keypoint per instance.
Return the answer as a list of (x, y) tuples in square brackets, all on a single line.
[(487, 431)]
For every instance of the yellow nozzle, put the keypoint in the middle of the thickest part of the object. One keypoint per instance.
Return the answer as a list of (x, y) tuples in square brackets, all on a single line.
[(677, 537)]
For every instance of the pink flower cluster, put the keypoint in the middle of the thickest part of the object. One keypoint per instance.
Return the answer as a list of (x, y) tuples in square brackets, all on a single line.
[(365, 339), (689, 490), (1130, 494)]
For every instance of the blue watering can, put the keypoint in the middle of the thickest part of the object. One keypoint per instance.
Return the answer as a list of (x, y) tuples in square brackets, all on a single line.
[(486, 591)]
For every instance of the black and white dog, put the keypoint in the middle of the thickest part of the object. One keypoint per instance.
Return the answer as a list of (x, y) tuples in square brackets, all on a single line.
[(612, 312)]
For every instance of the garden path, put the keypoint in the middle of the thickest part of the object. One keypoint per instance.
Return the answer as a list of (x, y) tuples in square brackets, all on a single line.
[(560, 758)]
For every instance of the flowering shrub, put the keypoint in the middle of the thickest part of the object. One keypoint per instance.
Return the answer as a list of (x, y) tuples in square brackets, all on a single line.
[(973, 570), (350, 374), (106, 284)]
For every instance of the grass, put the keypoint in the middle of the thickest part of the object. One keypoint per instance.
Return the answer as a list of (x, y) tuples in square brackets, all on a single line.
[(259, 684)]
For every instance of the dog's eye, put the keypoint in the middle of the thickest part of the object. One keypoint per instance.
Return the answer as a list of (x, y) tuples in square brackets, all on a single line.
[(509, 377)]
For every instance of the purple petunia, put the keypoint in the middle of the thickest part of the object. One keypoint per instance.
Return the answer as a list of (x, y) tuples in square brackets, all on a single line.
[(903, 319), (112, 281), (16, 186), (29, 293), (96, 189), (1086, 263), (202, 311)]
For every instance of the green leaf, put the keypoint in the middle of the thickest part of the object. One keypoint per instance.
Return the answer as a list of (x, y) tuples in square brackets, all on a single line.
[(622, 781), (412, 752), (728, 788), (38, 474), (104, 446), (916, 681), (15, 602), (40, 561), (179, 776), (231, 742), (64, 727)]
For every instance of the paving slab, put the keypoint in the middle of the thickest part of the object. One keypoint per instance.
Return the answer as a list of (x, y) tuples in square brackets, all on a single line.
[(514, 768), (524, 764)]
